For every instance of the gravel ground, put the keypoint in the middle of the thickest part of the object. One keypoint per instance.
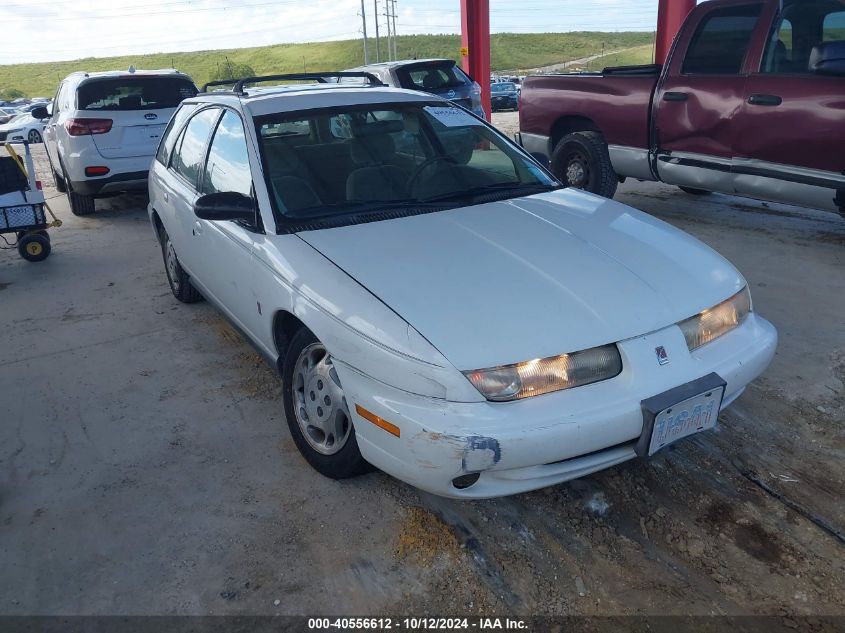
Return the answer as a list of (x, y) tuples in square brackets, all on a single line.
[(145, 465)]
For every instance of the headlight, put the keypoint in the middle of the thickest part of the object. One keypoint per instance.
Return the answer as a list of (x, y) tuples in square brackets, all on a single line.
[(544, 375), (18, 131), (713, 323)]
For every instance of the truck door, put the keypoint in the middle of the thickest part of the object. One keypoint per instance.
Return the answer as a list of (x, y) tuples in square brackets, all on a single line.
[(701, 95), (792, 123)]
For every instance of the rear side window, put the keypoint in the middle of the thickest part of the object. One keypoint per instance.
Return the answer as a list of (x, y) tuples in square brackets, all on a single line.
[(134, 93), (172, 132), (188, 158), (430, 77), (721, 41)]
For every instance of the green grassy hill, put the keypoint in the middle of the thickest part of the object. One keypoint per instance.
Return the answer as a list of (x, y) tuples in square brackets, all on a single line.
[(508, 51)]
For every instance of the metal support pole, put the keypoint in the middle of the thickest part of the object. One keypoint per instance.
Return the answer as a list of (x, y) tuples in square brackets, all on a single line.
[(395, 53), (475, 45), (364, 24), (378, 41), (389, 36), (670, 17)]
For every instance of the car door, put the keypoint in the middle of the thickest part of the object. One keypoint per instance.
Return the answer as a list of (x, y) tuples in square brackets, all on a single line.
[(51, 124), (792, 123), (229, 270), (183, 176), (701, 94)]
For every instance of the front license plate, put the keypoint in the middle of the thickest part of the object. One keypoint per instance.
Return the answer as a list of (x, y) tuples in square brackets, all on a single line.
[(680, 412)]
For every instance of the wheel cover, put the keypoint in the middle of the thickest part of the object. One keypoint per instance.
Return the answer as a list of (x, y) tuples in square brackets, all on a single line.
[(577, 171), (172, 264), (34, 249), (318, 401), (34, 136)]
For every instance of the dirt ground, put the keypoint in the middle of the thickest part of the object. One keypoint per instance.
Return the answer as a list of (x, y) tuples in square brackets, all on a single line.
[(146, 468)]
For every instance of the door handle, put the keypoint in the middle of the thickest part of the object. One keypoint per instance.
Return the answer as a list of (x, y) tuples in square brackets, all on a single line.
[(765, 100), (675, 96), (166, 196), (197, 230)]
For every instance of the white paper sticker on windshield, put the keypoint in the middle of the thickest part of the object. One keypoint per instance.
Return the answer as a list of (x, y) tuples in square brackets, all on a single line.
[(451, 117)]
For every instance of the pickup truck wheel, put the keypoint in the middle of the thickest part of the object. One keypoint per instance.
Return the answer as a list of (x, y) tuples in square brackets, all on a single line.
[(581, 160), (316, 409), (179, 280), (695, 192)]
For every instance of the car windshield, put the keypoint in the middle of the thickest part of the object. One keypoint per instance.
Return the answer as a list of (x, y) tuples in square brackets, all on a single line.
[(503, 87), (338, 163), (134, 93)]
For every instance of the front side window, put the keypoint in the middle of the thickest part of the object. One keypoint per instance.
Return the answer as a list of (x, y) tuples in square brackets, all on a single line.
[(134, 93), (227, 168), (410, 156), (721, 41), (188, 158), (800, 28), (168, 140)]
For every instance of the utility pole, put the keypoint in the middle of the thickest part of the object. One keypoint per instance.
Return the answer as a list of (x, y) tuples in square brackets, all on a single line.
[(389, 37), (378, 41), (395, 54), (364, 23)]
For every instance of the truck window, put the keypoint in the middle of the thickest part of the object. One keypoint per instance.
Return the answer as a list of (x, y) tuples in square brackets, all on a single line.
[(798, 31), (721, 41)]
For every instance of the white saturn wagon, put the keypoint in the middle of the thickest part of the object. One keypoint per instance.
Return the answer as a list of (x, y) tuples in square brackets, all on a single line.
[(103, 130), (437, 304)]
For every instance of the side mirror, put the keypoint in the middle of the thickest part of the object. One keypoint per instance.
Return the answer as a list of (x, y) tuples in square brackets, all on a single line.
[(828, 59), (39, 113), (225, 206)]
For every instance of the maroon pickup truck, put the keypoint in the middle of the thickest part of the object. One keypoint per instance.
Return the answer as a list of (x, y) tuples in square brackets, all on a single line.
[(750, 102)]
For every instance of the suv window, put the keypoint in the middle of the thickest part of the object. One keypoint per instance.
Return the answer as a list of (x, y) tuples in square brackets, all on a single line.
[(428, 77), (801, 27), (227, 168), (134, 93), (721, 41), (188, 159), (172, 132)]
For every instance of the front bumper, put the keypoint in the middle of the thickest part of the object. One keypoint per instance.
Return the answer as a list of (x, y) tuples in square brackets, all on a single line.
[(537, 442)]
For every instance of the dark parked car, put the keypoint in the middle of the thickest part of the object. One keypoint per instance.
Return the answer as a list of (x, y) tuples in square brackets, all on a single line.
[(504, 96), (748, 103), (441, 77)]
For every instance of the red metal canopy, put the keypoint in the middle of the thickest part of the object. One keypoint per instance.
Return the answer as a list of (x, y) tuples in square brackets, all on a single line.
[(475, 37)]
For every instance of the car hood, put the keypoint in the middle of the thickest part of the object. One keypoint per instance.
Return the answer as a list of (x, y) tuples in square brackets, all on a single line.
[(531, 277)]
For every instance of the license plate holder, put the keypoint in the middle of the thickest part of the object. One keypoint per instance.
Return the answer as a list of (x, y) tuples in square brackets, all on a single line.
[(680, 412)]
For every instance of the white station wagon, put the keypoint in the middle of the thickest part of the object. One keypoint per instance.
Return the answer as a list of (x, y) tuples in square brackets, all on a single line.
[(438, 306)]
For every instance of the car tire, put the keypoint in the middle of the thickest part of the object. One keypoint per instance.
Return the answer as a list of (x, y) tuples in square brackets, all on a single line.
[(177, 278), (34, 137), (34, 247), (79, 204), (581, 160), (316, 410), (695, 192), (59, 182)]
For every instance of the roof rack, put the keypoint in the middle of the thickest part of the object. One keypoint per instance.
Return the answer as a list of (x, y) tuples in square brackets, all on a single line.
[(221, 82), (319, 77)]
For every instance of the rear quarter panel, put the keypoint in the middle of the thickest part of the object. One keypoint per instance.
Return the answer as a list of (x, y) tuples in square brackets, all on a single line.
[(619, 107)]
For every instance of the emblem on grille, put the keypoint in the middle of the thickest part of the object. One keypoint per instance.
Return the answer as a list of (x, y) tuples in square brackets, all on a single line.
[(451, 94), (662, 356)]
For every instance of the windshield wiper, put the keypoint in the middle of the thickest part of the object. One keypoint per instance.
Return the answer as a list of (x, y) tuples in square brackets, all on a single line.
[(474, 192)]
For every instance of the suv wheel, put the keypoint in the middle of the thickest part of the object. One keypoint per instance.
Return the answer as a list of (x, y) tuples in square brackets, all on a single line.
[(581, 160), (180, 282), (316, 409)]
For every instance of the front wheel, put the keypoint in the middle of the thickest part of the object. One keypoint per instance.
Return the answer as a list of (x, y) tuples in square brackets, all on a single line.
[(34, 136), (581, 160), (317, 411)]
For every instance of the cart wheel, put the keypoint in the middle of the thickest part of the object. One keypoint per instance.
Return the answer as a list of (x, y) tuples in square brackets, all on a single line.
[(44, 233), (34, 247)]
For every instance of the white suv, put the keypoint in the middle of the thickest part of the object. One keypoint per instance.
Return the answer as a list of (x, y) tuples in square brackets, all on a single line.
[(104, 129)]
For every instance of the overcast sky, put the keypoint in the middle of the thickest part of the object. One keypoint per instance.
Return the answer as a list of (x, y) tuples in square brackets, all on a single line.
[(46, 30)]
